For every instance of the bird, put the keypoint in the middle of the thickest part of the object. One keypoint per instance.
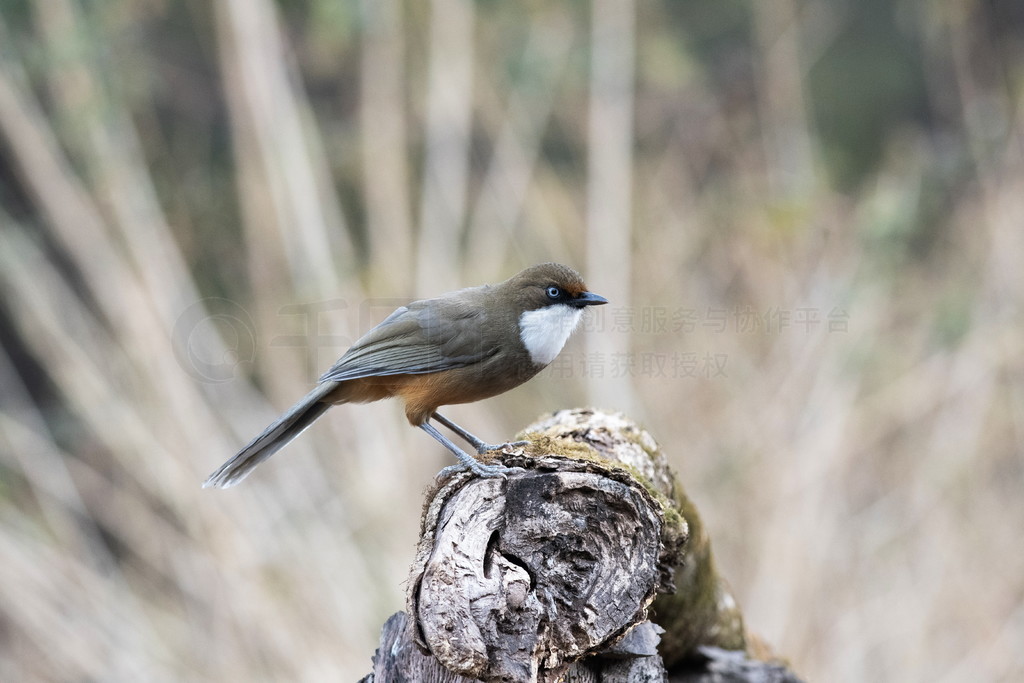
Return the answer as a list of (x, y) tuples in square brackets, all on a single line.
[(460, 347)]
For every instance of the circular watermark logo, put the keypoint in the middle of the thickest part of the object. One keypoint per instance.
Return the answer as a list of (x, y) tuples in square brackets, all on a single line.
[(213, 338)]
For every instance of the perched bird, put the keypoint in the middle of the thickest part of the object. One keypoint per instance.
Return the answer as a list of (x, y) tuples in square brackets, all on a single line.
[(460, 347)]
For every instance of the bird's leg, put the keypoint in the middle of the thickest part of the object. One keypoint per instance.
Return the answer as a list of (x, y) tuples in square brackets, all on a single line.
[(480, 445), (466, 460)]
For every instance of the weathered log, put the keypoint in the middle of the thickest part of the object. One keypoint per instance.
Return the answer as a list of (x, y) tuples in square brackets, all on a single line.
[(701, 609), (548, 574), (633, 660), (709, 664), (518, 577)]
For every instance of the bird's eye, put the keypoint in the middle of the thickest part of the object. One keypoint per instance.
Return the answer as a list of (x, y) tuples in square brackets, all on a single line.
[(554, 292)]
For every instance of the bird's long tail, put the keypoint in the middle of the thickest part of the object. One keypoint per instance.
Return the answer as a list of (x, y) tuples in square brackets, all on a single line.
[(273, 438)]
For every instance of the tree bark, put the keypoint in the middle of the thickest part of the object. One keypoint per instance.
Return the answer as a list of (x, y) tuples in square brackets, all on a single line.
[(550, 574)]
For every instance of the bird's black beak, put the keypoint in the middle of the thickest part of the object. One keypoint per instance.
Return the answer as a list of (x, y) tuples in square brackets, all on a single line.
[(587, 299)]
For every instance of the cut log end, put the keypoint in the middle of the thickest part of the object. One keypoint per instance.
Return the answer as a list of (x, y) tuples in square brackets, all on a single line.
[(517, 578), (552, 571)]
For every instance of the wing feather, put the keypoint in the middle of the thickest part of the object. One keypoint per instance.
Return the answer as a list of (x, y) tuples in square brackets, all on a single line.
[(426, 336)]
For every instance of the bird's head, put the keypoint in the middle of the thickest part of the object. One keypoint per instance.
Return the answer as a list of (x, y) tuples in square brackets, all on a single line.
[(549, 299)]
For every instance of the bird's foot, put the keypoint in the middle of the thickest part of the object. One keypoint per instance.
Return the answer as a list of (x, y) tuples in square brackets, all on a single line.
[(482, 447), (480, 469), (478, 444), (467, 461)]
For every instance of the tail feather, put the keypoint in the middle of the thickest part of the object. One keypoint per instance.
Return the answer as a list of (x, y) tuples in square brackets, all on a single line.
[(273, 438)]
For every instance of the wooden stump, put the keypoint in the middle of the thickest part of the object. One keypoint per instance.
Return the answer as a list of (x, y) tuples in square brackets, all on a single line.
[(517, 578), (548, 574)]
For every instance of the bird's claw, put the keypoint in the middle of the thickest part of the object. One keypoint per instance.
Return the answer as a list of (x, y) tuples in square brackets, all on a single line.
[(493, 471), (480, 469), (487, 447)]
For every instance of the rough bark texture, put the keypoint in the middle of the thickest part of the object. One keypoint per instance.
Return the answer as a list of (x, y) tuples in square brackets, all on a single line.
[(518, 577), (701, 609), (710, 664), (548, 574)]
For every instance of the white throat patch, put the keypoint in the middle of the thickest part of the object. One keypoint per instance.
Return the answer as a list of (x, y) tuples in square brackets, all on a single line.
[(544, 331)]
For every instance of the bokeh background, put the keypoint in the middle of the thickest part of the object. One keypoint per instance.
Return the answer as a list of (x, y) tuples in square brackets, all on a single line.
[(808, 216)]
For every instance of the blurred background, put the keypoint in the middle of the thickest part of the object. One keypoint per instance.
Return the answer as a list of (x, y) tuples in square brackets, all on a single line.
[(807, 216)]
